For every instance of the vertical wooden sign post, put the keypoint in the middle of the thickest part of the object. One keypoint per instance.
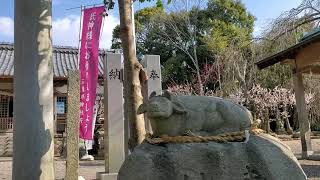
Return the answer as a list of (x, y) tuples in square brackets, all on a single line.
[(113, 117), (153, 67), (73, 116)]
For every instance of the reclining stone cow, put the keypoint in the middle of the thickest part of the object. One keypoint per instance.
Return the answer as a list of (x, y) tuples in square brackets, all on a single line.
[(176, 115)]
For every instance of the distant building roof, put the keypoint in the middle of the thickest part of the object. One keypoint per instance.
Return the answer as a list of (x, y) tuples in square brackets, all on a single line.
[(64, 59), (310, 34), (292, 51)]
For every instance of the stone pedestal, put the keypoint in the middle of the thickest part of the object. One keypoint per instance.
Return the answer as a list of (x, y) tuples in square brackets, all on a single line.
[(107, 176), (114, 118), (262, 157)]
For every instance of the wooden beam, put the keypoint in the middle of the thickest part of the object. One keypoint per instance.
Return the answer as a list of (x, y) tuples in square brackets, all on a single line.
[(5, 93), (6, 79), (308, 55), (304, 124), (309, 69), (288, 61)]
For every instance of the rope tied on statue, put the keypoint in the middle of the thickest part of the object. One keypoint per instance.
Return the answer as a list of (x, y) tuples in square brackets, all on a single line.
[(240, 136)]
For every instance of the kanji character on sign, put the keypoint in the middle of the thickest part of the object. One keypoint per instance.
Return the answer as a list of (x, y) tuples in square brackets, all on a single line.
[(87, 76), (87, 56), (87, 109), (114, 74), (90, 25), (86, 127), (87, 119), (92, 16), (89, 35), (87, 45), (154, 75), (83, 96), (87, 65), (88, 97)]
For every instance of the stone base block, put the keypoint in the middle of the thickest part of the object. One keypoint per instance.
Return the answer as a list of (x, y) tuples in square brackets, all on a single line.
[(306, 154), (106, 176), (87, 158)]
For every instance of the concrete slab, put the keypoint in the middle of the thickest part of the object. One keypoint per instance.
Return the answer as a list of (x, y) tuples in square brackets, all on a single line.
[(107, 176)]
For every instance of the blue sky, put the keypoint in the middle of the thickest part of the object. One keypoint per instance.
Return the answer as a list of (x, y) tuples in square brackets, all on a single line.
[(66, 22)]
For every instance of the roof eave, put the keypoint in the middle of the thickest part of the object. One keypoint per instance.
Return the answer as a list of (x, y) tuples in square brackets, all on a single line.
[(289, 53)]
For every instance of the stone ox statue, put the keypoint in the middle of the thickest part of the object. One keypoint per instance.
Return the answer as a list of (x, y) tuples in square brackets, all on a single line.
[(176, 115)]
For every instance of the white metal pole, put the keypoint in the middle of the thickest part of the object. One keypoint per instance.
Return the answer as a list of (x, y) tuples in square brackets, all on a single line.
[(80, 35), (133, 29)]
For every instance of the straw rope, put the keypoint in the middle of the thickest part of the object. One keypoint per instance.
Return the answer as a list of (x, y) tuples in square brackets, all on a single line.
[(191, 138)]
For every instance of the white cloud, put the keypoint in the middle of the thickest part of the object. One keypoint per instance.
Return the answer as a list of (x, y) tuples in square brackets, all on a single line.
[(109, 23), (65, 31), (6, 26), (260, 26), (257, 30)]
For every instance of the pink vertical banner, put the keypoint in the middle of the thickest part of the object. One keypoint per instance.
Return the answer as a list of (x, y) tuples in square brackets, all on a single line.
[(89, 58)]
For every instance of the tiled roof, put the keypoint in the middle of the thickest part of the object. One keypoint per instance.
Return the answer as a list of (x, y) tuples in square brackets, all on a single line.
[(64, 58)]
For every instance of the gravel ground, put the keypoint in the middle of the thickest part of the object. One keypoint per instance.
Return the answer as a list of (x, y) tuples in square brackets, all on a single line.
[(88, 169), (311, 168)]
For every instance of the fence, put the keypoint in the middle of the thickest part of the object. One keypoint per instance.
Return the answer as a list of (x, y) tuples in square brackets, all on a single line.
[(6, 124)]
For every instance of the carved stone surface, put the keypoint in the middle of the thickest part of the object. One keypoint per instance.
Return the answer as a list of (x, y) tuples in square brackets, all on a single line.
[(114, 135), (263, 157), (73, 116), (174, 115), (33, 152)]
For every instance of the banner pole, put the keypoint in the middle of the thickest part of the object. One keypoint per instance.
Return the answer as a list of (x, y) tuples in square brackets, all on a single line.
[(80, 30), (84, 6), (134, 29)]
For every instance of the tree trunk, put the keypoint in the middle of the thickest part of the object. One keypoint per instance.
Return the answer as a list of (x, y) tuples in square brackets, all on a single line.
[(132, 87), (279, 122), (201, 92), (286, 121), (266, 122), (33, 91), (289, 128), (219, 75)]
